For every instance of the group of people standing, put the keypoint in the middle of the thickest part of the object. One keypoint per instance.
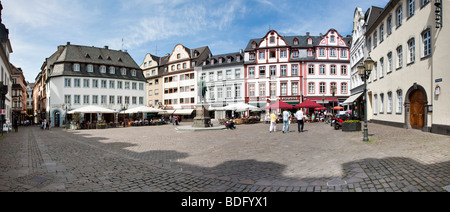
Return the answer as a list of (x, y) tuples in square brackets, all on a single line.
[(286, 121)]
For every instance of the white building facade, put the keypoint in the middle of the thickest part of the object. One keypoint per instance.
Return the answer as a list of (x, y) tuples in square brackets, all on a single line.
[(358, 54), (410, 49), (81, 76), (224, 79)]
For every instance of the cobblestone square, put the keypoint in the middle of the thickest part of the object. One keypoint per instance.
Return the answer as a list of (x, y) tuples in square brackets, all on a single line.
[(248, 159)]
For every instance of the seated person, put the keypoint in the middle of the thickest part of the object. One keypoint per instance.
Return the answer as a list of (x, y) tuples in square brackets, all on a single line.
[(230, 124)]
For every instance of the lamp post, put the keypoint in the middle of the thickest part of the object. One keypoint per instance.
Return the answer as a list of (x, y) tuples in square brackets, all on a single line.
[(66, 106), (364, 72), (123, 108), (333, 92)]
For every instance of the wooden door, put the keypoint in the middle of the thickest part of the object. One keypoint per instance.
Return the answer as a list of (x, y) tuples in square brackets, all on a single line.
[(417, 109)]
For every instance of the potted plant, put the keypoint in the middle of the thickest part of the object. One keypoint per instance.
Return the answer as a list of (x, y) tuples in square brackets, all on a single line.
[(351, 125), (75, 120)]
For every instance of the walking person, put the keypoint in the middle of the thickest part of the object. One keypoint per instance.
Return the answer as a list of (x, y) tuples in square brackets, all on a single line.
[(286, 116), (300, 118), (273, 122)]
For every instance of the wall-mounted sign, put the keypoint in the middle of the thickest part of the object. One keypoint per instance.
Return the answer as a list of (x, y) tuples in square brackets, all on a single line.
[(438, 80)]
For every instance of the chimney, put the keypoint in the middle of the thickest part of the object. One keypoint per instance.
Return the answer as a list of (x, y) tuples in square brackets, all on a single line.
[(60, 48), (241, 51), (307, 34), (68, 43), (106, 47)]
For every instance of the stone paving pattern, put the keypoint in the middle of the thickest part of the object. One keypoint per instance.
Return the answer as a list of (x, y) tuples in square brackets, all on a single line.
[(248, 159)]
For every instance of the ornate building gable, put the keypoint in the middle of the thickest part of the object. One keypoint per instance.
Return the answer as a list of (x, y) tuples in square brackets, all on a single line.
[(179, 53), (358, 24), (272, 39), (333, 38), (179, 59)]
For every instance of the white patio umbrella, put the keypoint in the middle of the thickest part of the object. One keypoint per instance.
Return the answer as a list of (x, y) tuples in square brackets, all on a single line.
[(143, 109), (240, 107), (91, 109)]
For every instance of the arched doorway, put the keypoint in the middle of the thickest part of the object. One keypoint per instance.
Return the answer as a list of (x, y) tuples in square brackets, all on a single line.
[(417, 102)]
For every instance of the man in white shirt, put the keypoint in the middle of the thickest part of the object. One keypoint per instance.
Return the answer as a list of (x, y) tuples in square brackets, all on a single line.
[(286, 116), (300, 117)]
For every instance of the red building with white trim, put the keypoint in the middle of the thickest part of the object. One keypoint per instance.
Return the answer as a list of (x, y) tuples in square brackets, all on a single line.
[(295, 68)]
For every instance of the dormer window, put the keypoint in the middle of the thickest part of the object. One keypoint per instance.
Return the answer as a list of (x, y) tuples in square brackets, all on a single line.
[(88, 56), (112, 70), (120, 59), (102, 69), (220, 60), (133, 72), (229, 60), (100, 57), (90, 68), (76, 67), (309, 41), (238, 58), (295, 41), (212, 61), (204, 63), (254, 45), (123, 71)]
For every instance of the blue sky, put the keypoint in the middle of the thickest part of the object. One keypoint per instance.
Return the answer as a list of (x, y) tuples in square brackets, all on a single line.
[(37, 27)]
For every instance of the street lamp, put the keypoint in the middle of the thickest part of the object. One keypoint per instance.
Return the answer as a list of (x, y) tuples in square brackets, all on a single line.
[(66, 106), (333, 92), (364, 72), (123, 108)]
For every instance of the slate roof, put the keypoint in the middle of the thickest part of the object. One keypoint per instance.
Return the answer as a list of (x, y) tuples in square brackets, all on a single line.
[(302, 41), (224, 63), (372, 15), (84, 55)]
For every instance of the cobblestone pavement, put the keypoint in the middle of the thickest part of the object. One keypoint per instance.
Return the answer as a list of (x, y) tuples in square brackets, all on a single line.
[(160, 158)]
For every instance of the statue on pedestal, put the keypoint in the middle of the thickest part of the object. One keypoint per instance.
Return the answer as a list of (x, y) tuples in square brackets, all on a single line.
[(202, 118)]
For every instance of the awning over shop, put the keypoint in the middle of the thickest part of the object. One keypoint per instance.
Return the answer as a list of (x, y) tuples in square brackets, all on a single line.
[(293, 102), (258, 104), (352, 98), (180, 112), (325, 100)]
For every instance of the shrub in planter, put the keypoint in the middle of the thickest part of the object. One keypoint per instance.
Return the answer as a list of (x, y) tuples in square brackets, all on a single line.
[(351, 125)]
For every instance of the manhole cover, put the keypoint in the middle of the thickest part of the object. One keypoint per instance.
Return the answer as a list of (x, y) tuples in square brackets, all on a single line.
[(336, 182), (37, 179)]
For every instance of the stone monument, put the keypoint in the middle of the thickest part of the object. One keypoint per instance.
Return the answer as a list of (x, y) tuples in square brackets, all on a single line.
[(202, 118)]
